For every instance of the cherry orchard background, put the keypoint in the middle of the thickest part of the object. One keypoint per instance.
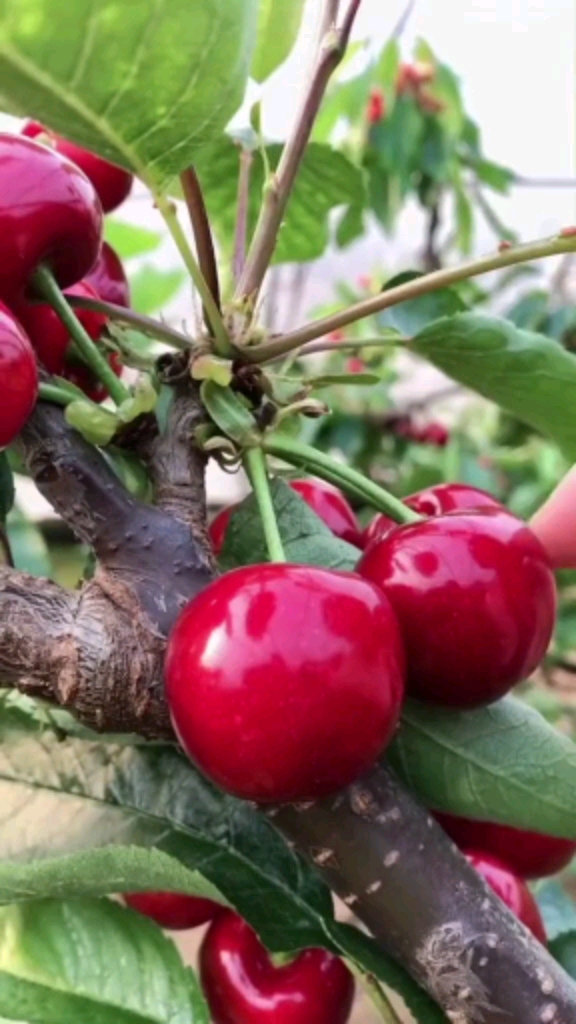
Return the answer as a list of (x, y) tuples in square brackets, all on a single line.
[(516, 59)]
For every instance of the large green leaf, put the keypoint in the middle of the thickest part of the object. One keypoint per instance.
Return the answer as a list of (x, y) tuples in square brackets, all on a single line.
[(278, 26), (305, 537), (84, 817), (142, 82), (92, 961), (152, 288), (499, 763), (130, 240), (531, 376), (326, 180)]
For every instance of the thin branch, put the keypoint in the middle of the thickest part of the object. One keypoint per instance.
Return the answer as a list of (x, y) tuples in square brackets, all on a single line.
[(279, 188), (508, 257), (145, 324), (202, 235), (354, 344), (527, 182), (241, 236), (403, 20), (328, 19)]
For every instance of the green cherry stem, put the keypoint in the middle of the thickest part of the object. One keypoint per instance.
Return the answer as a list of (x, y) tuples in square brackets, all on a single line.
[(56, 394), (130, 318), (48, 288), (255, 465), (376, 993), (295, 453)]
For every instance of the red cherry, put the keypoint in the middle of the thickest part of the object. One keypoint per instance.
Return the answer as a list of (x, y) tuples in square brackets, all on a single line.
[(49, 212), (376, 110), (218, 527), (285, 682), (112, 183), (48, 334), (475, 598), (18, 374), (243, 986), (108, 278), (173, 910), (435, 434), (433, 501), (331, 506), (529, 854), (511, 889)]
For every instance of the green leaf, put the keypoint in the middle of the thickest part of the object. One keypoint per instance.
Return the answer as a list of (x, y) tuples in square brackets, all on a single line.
[(227, 411), (326, 180), (152, 288), (501, 763), (527, 374), (97, 425), (557, 908), (130, 240), (464, 218), (305, 538), (89, 816), (143, 84), (142, 401), (327, 379), (6, 487), (564, 950), (278, 27), (29, 549), (413, 316), (386, 71), (92, 961)]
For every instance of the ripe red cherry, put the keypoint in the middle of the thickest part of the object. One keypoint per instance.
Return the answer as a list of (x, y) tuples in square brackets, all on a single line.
[(326, 501), (475, 598), (331, 506), (112, 183), (285, 682), (511, 889), (376, 110), (433, 501), (242, 985), (48, 334), (49, 212), (18, 374), (173, 910), (108, 278), (529, 854)]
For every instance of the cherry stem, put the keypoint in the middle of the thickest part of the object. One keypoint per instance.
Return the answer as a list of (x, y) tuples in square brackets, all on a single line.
[(169, 212), (508, 257), (350, 346), (376, 993), (56, 394), (255, 465), (130, 318), (295, 453), (47, 286), (202, 235)]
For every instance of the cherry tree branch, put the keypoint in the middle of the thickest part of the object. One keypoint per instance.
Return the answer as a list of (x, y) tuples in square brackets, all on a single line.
[(130, 318), (506, 257), (202, 235), (331, 51), (241, 235)]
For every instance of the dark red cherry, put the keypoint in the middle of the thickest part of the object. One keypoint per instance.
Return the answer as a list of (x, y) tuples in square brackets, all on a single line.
[(475, 598), (285, 682), (511, 889), (49, 213), (529, 854), (48, 334), (112, 183), (433, 501), (18, 376), (84, 379), (218, 527), (242, 985), (331, 506), (173, 910), (108, 278)]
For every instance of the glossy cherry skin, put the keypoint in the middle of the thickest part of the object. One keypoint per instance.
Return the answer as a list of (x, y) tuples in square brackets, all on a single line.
[(173, 910), (475, 598), (49, 213), (433, 501), (19, 376), (108, 278), (285, 682), (242, 985), (112, 183), (529, 854), (48, 334), (331, 507), (511, 889), (326, 501)]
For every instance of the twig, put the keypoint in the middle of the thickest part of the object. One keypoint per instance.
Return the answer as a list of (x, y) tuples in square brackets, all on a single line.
[(528, 182), (241, 238), (328, 19), (403, 20), (202, 235), (562, 243), (352, 345), (279, 188), (145, 324)]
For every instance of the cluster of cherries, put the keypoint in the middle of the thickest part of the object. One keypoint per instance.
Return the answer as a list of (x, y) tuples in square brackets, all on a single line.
[(53, 195), (412, 80)]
